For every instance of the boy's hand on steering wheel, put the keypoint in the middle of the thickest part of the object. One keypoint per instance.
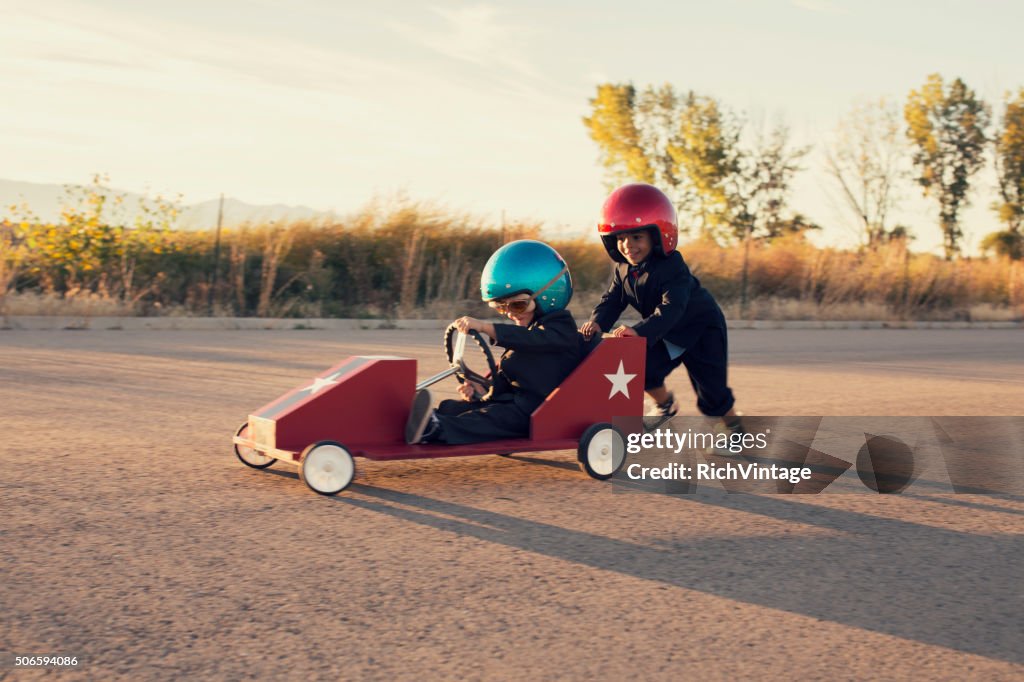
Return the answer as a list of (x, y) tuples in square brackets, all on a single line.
[(589, 329), (624, 331), (470, 390), (466, 323)]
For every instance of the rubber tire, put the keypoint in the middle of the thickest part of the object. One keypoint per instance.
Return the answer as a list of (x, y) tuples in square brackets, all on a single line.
[(310, 461), (584, 456), (238, 453)]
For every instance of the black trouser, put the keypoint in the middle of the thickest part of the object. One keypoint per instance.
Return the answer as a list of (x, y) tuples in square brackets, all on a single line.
[(707, 363), (466, 421)]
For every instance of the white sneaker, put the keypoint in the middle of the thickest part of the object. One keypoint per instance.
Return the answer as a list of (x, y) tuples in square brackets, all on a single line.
[(661, 413), (669, 408)]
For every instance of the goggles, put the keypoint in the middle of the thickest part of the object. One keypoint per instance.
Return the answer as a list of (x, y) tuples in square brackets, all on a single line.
[(518, 306)]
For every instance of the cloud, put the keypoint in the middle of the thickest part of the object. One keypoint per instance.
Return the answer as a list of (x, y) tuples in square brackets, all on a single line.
[(102, 46), (476, 35)]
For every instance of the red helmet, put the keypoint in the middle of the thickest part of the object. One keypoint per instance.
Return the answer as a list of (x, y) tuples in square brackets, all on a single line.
[(635, 207)]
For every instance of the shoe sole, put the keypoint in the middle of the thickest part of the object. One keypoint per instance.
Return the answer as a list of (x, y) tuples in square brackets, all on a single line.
[(419, 417)]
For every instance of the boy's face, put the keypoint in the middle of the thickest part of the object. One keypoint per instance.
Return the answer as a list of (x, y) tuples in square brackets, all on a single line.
[(635, 246), (519, 308)]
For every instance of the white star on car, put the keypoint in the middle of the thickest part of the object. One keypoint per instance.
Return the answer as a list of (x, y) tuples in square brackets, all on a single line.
[(319, 383), (620, 381)]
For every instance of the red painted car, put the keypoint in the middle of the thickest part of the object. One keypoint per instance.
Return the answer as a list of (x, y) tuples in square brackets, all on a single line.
[(359, 407)]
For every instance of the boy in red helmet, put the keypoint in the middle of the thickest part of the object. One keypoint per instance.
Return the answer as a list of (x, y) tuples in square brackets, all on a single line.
[(682, 322)]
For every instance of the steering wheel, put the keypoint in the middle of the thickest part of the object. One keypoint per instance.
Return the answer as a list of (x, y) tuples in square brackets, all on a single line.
[(455, 349)]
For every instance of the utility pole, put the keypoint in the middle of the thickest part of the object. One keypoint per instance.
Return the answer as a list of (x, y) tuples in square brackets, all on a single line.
[(216, 252)]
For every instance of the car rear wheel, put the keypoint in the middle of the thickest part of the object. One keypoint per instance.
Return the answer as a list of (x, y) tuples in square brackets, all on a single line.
[(602, 451)]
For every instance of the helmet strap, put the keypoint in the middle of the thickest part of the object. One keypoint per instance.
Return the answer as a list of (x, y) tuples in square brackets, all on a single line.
[(554, 279)]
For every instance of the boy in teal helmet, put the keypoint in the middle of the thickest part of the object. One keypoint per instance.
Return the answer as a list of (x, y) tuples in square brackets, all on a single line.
[(528, 282)]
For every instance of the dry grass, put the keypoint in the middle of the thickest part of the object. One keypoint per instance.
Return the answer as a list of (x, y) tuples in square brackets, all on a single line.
[(74, 304), (986, 312), (794, 309), (417, 261)]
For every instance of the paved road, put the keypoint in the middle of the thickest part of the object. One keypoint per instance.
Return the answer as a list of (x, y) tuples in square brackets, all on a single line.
[(133, 539)]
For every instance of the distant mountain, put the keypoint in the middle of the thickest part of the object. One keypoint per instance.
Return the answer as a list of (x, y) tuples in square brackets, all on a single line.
[(44, 201), (203, 215)]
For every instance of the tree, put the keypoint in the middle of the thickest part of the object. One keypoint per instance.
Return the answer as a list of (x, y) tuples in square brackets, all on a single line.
[(656, 116), (757, 183), (684, 143), (758, 192), (92, 248), (798, 225), (636, 132), (13, 254), (864, 161), (1009, 158), (690, 146), (1004, 243), (613, 126), (947, 128), (763, 183), (707, 152)]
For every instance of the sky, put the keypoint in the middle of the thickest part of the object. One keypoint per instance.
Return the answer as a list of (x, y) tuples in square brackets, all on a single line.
[(476, 107)]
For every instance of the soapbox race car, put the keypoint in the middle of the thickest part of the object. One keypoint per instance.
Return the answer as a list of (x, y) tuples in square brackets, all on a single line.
[(358, 408)]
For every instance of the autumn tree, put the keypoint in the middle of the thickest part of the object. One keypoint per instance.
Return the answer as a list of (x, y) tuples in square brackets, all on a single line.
[(680, 142), (1009, 160), (690, 146), (865, 161), (947, 128), (614, 126), (657, 114), (707, 152)]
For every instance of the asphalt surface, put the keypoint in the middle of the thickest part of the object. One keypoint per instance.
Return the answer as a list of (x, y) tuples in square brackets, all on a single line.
[(133, 539)]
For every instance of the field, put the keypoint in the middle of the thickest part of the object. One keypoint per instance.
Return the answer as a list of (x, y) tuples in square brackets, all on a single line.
[(135, 540)]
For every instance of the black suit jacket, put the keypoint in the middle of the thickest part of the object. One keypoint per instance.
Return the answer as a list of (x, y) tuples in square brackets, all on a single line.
[(537, 358), (671, 300)]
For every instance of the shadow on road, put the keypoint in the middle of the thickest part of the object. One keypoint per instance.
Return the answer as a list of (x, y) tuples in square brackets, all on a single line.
[(557, 464), (290, 472), (931, 585), (968, 504)]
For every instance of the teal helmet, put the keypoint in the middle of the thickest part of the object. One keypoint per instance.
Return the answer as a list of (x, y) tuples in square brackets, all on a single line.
[(528, 267)]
